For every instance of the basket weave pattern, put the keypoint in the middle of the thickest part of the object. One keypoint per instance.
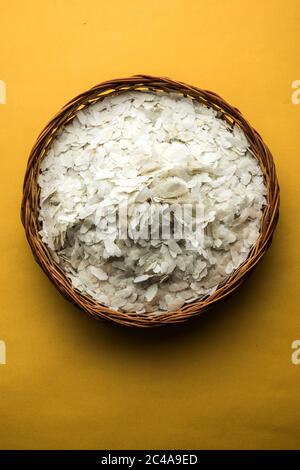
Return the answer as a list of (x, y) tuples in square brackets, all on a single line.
[(30, 201)]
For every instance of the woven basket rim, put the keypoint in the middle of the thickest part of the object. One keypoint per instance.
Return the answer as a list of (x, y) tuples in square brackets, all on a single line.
[(30, 205)]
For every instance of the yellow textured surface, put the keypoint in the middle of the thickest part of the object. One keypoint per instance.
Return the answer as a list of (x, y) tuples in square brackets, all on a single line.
[(224, 381)]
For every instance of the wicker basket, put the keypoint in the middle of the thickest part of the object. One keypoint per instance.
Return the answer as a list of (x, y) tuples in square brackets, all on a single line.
[(30, 202)]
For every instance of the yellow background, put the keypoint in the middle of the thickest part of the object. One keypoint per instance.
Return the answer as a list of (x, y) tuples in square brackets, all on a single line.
[(224, 381)]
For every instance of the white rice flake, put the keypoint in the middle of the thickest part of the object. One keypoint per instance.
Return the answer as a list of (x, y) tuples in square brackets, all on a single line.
[(151, 292)]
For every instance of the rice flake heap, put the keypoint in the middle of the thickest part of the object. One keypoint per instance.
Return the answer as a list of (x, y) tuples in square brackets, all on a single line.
[(148, 151)]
